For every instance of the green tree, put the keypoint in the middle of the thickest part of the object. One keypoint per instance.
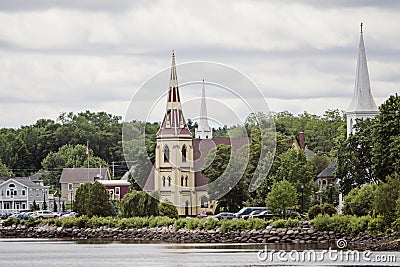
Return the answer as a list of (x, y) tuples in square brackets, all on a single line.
[(354, 158), (386, 195), (283, 196), (386, 139), (34, 206), (44, 206), (68, 156), (63, 207), (359, 202), (224, 172), (55, 207), (92, 200), (4, 170), (140, 204), (167, 209), (294, 167)]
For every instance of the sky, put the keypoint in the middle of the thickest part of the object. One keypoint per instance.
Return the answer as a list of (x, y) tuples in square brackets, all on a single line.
[(62, 56)]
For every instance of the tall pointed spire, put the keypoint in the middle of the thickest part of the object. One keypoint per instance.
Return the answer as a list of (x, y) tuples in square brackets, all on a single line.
[(363, 105), (203, 131), (362, 98), (174, 122)]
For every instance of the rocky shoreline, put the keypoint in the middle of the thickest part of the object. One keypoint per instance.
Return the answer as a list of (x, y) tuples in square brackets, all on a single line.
[(304, 234)]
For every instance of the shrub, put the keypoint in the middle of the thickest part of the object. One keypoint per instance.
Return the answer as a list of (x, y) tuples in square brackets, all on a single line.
[(295, 215), (279, 223), (314, 211), (321, 222), (192, 223), (168, 210), (10, 221), (376, 225), (257, 223), (328, 209), (359, 224), (396, 224), (180, 223), (227, 225), (209, 223), (292, 223)]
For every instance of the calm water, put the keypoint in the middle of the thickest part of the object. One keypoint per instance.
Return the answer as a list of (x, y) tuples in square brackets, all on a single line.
[(39, 252)]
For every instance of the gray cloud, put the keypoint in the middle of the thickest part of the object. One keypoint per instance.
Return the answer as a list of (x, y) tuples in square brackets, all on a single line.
[(75, 55)]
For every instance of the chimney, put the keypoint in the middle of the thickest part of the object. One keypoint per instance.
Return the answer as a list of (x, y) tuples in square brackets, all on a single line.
[(301, 140)]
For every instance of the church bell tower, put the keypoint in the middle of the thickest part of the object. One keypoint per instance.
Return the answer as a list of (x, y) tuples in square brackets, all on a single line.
[(174, 172)]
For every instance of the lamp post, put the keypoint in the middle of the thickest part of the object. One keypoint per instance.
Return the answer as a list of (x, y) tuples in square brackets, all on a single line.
[(302, 198)]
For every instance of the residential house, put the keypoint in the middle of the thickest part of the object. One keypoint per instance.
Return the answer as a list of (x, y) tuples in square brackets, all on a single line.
[(72, 178), (116, 188), (19, 194)]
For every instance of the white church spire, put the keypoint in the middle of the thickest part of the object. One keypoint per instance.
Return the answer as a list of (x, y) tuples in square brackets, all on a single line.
[(363, 104), (362, 98), (204, 130)]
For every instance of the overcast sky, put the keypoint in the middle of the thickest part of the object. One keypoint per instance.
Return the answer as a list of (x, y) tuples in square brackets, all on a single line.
[(75, 55)]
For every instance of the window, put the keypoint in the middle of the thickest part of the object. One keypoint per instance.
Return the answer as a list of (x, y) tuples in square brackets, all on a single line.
[(11, 185), (204, 202), (184, 153), (8, 192), (166, 154), (117, 190), (23, 192), (163, 181), (182, 181), (169, 181), (37, 192), (186, 181), (69, 187)]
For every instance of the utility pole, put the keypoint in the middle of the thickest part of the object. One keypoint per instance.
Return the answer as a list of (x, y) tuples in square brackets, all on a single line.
[(113, 168)]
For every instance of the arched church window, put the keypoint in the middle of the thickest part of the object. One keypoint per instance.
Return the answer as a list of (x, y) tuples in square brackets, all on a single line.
[(166, 153), (186, 181), (182, 181), (163, 181), (169, 181), (184, 153), (204, 202)]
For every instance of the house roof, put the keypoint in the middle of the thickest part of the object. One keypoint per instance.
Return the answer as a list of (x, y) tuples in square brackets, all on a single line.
[(114, 182), (83, 175), (328, 172), (35, 177), (309, 153), (21, 180)]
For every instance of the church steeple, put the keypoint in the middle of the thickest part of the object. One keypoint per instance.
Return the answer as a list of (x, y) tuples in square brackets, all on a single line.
[(174, 122), (203, 131), (362, 98), (363, 104)]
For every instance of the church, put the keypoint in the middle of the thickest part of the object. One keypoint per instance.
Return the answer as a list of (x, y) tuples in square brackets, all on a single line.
[(176, 175)]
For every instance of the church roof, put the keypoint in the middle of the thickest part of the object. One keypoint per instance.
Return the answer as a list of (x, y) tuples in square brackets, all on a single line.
[(362, 98), (174, 122)]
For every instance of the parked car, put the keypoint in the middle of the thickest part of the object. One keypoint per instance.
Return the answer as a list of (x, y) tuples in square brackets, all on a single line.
[(205, 214), (69, 214), (5, 215), (247, 211), (44, 214), (224, 215), (248, 216), (266, 214)]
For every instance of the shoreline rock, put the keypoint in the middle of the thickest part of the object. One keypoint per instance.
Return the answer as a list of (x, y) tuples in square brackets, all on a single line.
[(305, 234)]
